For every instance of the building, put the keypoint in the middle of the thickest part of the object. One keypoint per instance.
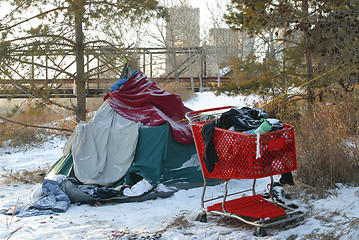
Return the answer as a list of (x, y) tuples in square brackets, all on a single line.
[(223, 44), (182, 40), (246, 45)]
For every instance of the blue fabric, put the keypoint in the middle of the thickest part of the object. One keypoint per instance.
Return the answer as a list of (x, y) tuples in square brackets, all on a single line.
[(54, 201), (118, 84)]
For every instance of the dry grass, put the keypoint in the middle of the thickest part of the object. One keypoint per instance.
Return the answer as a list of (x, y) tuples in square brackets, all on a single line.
[(230, 222), (343, 230), (327, 143), (179, 222), (15, 135), (326, 154), (177, 88), (350, 230), (23, 176)]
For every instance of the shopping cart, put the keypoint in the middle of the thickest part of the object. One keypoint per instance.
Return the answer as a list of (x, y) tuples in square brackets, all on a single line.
[(245, 156)]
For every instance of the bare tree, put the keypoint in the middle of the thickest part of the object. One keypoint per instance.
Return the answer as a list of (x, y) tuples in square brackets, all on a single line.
[(179, 33), (62, 28)]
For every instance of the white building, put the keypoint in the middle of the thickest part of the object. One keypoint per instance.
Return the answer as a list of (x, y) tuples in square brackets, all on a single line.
[(182, 32), (223, 44)]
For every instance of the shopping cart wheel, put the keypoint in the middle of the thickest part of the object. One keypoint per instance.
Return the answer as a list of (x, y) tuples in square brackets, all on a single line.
[(202, 217), (260, 232)]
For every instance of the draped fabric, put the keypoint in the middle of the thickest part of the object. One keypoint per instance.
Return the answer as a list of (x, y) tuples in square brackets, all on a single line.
[(141, 100)]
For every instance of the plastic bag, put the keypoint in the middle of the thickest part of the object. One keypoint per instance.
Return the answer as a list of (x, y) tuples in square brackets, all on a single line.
[(243, 119)]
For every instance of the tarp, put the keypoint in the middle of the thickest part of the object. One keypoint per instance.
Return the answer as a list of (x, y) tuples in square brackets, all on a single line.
[(163, 154), (141, 100), (103, 149), (158, 158)]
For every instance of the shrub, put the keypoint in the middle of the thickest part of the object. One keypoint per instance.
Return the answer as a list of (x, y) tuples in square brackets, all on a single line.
[(177, 88), (326, 150), (23, 176), (18, 135), (326, 139)]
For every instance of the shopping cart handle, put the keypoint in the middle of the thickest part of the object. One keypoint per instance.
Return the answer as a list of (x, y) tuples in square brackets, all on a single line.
[(209, 110)]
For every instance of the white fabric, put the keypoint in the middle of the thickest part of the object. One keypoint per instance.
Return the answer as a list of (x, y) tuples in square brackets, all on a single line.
[(138, 189), (258, 155), (68, 145), (103, 149), (36, 192), (273, 121)]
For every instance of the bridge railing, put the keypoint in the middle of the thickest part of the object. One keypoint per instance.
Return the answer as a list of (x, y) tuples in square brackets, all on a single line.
[(94, 86)]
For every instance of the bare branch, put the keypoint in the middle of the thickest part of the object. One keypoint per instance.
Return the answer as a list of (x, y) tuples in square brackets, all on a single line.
[(43, 66), (72, 43), (36, 16), (36, 126)]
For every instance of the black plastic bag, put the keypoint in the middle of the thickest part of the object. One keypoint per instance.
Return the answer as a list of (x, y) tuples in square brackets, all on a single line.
[(243, 119)]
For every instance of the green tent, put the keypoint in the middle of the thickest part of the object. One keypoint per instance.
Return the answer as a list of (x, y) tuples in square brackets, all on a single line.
[(164, 152), (158, 158)]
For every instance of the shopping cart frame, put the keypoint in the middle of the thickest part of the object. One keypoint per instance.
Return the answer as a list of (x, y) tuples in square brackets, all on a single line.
[(247, 209)]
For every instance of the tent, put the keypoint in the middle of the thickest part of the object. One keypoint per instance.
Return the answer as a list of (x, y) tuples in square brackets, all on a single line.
[(139, 133)]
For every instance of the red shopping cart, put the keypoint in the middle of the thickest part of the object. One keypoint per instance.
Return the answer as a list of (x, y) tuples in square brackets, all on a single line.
[(245, 156)]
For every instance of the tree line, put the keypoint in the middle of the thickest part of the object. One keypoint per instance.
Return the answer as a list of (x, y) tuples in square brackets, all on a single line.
[(304, 39), (314, 43)]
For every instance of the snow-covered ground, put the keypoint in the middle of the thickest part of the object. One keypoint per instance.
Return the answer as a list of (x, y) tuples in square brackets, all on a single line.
[(173, 217)]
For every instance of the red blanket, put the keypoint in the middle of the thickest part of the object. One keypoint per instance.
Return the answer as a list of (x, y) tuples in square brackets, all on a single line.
[(141, 100)]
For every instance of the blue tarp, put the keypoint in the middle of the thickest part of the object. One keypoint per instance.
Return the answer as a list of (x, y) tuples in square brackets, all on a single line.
[(119, 83)]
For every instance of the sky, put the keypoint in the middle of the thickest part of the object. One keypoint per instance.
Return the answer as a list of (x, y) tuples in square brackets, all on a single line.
[(211, 15), (210, 10)]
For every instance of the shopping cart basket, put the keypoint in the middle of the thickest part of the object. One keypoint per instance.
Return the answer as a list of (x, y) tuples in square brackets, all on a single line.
[(246, 156)]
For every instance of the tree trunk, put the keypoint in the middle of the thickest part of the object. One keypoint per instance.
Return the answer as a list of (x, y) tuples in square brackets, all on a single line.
[(174, 54), (80, 65), (175, 68), (308, 55), (309, 65)]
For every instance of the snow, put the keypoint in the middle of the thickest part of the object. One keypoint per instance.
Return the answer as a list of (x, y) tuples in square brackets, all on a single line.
[(207, 100), (173, 217)]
